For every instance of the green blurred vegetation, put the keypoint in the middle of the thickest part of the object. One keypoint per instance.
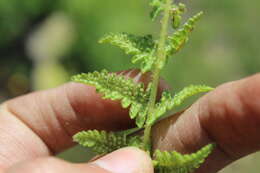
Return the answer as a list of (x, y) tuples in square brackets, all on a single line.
[(43, 42)]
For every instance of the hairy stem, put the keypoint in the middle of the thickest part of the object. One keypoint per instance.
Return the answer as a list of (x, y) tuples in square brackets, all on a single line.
[(161, 58)]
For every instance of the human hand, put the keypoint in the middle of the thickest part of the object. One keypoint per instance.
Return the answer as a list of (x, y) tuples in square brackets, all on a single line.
[(36, 126), (226, 116)]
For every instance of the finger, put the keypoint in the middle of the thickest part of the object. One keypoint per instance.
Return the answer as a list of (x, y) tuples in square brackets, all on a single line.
[(228, 116), (43, 122), (127, 160)]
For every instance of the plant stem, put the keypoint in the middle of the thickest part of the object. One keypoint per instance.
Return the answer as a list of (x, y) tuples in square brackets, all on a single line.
[(161, 58)]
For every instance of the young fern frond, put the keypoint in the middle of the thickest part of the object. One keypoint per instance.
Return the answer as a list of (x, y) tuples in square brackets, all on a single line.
[(117, 87), (141, 47), (102, 142), (168, 102), (157, 8), (180, 37), (177, 11), (152, 55), (174, 162)]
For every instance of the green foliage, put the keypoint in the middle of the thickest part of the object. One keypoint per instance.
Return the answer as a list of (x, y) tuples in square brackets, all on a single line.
[(144, 108), (174, 162), (180, 37), (158, 6), (117, 87), (103, 142), (168, 102), (141, 47), (188, 92), (144, 48)]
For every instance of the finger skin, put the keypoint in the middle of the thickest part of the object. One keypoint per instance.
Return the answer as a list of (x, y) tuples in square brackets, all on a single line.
[(53, 165), (125, 160), (54, 116), (42, 123), (17, 141), (228, 116)]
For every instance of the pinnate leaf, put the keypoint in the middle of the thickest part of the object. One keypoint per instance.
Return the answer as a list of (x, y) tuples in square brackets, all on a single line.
[(117, 87), (168, 102), (180, 37), (141, 47), (102, 142), (187, 92), (174, 162)]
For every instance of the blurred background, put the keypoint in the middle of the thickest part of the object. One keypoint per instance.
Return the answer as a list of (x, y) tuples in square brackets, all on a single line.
[(44, 42)]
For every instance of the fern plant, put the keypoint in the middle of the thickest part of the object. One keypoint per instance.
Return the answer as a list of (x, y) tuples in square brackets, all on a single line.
[(141, 100)]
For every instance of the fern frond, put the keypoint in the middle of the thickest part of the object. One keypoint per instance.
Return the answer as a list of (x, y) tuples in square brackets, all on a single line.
[(168, 102), (174, 162), (141, 47), (180, 37), (130, 43), (187, 92), (102, 142), (117, 87)]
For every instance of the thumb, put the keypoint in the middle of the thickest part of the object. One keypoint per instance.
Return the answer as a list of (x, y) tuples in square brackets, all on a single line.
[(126, 160)]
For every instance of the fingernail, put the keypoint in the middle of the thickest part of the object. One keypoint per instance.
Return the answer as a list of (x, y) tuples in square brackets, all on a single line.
[(126, 160)]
